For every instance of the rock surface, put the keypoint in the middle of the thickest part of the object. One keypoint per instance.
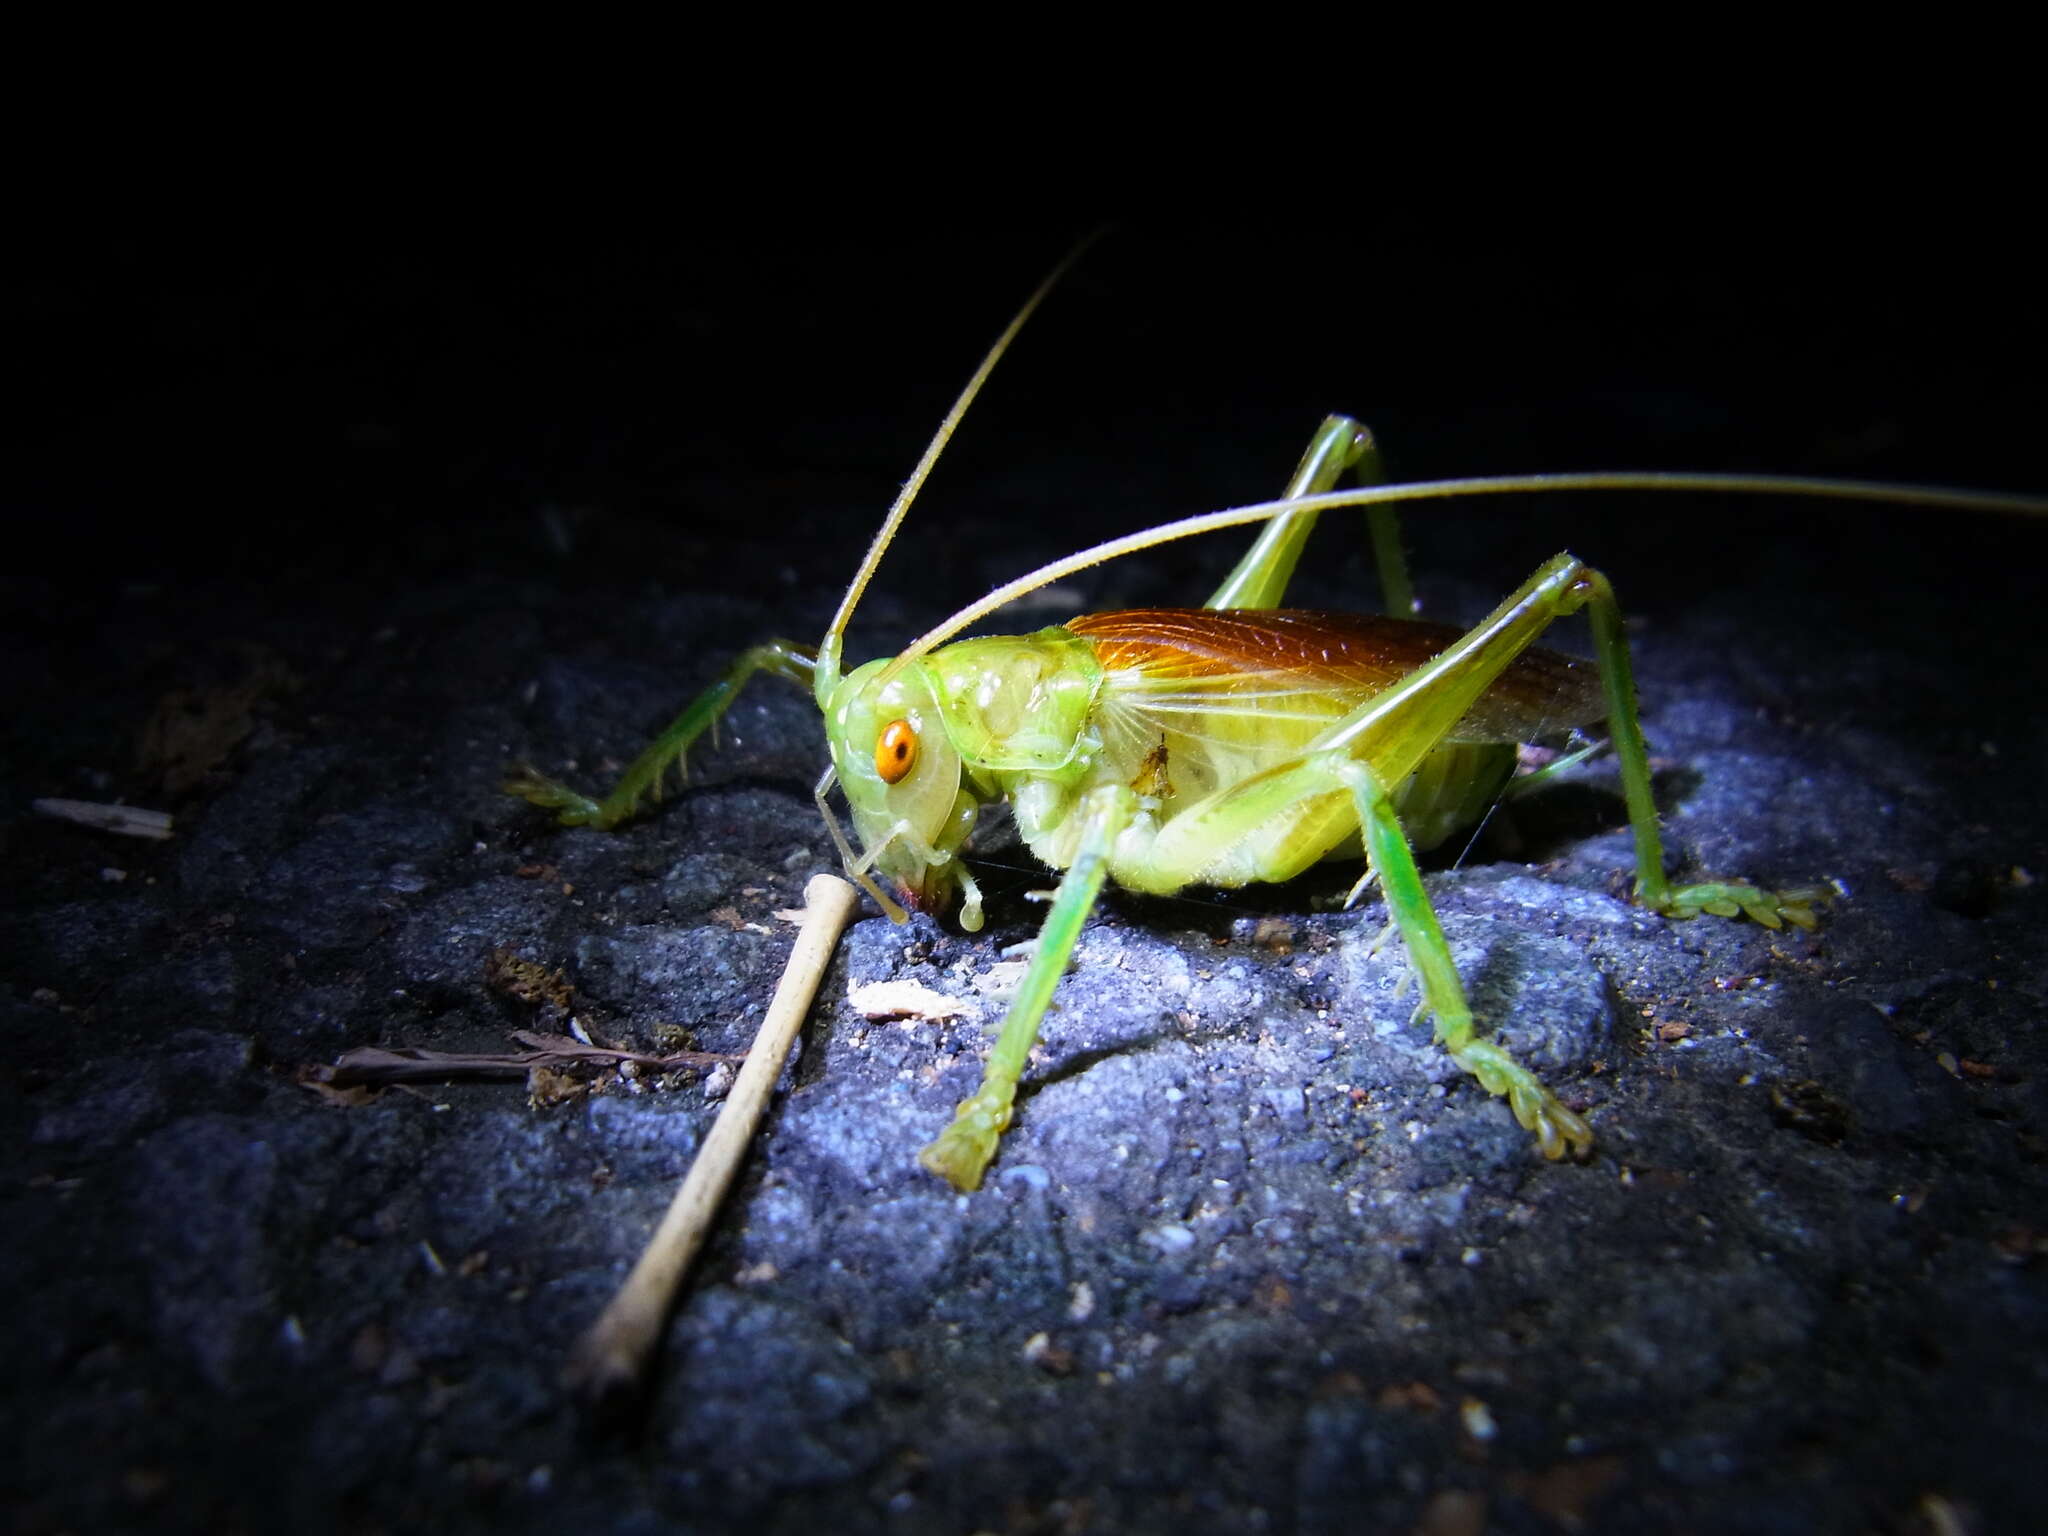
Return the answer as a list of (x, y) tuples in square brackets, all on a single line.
[(1254, 1257)]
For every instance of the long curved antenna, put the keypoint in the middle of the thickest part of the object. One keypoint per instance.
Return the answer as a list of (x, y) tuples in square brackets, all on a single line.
[(1440, 490), (827, 676)]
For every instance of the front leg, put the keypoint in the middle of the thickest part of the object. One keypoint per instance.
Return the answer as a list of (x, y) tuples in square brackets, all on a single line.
[(963, 1151), (643, 776)]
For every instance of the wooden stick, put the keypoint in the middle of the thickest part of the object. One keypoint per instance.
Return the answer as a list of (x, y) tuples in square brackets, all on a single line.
[(606, 1366), (129, 820)]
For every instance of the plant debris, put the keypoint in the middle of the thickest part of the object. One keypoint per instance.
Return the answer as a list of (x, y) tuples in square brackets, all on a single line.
[(513, 975), (192, 731), (128, 820), (380, 1066), (907, 1000)]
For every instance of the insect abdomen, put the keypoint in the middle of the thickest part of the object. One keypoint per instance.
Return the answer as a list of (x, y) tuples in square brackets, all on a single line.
[(1452, 789), (1196, 701)]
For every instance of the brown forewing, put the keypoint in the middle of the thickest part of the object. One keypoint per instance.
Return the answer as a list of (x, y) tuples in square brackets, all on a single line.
[(1355, 653)]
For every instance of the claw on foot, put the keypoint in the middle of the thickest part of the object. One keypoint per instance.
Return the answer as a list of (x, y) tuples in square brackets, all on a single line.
[(961, 1153), (536, 788), (1773, 909), (1557, 1130)]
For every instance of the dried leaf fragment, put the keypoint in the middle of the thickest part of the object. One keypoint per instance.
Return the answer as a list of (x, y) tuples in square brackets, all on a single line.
[(907, 1000), (1568, 1490), (528, 980), (192, 731), (1275, 935), (548, 1086)]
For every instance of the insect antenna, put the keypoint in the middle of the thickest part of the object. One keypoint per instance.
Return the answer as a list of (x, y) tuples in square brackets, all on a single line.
[(1444, 490), (826, 677)]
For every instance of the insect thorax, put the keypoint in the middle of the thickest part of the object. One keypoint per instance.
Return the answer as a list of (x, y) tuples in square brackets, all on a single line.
[(1018, 704)]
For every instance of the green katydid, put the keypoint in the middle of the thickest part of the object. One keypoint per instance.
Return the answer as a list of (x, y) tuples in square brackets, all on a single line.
[(1234, 743)]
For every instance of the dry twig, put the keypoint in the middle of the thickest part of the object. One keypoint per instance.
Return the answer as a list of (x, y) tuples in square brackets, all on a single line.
[(608, 1362), (377, 1065), (128, 820)]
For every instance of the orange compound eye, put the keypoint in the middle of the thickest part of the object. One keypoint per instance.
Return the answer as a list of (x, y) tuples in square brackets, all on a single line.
[(896, 751)]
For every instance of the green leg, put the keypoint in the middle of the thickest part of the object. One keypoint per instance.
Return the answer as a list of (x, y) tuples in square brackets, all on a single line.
[(1260, 581), (1393, 730), (1274, 824), (1261, 577), (643, 776), (1528, 783), (1556, 1128), (1721, 898), (1379, 744), (1405, 721), (962, 1152), (1252, 810)]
